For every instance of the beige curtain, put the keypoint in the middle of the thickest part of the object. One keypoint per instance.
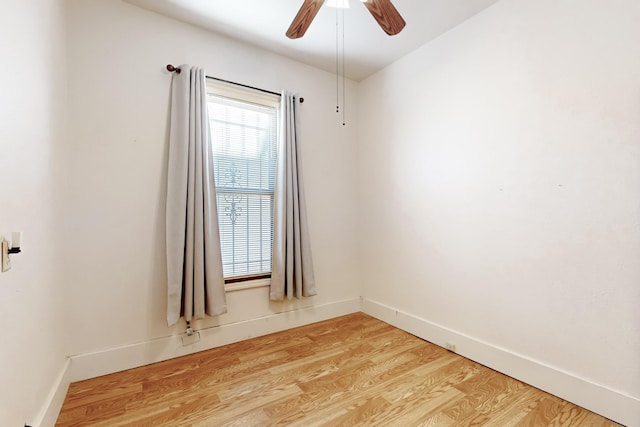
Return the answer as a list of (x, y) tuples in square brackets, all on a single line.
[(194, 262), (292, 267)]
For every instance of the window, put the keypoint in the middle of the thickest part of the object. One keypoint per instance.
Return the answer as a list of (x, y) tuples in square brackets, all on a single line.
[(244, 137)]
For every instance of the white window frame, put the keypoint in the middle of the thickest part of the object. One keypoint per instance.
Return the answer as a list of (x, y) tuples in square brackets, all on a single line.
[(254, 96)]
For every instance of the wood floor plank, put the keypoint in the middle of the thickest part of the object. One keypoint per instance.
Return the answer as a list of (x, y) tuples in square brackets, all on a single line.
[(438, 419), (352, 370), (574, 416), (108, 392), (543, 413), (513, 409), (360, 412)]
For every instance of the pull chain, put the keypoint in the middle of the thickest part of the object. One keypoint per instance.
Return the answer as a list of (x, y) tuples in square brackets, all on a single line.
[(344, 89), (339, 67)]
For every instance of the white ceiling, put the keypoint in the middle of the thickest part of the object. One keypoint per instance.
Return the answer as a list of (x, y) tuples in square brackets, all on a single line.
[(367, 48)]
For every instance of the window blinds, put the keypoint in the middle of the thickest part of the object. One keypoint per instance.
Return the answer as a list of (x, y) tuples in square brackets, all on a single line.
[(244, 149)]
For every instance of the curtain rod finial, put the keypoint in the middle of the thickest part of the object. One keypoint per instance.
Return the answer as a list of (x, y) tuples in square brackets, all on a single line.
[(171, 69)]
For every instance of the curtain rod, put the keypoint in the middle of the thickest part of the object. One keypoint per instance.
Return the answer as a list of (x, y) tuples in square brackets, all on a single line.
[(171, 68)]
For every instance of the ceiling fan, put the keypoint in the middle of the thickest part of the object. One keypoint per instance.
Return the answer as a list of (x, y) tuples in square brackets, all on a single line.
[(383, 11)]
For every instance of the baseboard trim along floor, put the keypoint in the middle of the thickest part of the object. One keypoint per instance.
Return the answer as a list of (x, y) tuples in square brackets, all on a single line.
[(609, 403), (91, 365)]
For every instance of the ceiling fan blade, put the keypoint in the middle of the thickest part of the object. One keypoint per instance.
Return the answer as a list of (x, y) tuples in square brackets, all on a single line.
[(303, 19), (387, 15)]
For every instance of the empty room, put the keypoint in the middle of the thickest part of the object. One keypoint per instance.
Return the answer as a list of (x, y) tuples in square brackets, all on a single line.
[(308, 212)]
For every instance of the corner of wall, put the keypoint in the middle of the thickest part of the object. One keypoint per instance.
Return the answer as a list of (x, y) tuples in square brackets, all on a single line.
[(607, 402), (52, 405)]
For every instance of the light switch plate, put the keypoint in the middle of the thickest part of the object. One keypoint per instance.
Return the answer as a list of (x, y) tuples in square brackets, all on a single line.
[(6, 262)]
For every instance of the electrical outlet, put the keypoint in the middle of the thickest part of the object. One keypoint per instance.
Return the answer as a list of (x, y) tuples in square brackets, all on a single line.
[(450, 346), (190, 339), (6, 262)]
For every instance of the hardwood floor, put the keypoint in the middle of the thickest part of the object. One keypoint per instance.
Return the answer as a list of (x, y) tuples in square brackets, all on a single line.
[(353, 370)]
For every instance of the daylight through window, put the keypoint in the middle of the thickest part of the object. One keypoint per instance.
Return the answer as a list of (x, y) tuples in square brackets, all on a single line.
[(243, 133)]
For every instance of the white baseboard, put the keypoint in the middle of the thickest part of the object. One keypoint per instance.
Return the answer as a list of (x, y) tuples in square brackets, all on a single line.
[(609, 403), (92, 365), (55, 399)]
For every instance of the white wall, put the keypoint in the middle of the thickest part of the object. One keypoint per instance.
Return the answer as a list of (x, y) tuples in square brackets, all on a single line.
[(118, 102), (500, 185), (32, 88)]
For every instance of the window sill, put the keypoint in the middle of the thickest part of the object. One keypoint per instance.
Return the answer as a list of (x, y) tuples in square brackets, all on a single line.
[(248, 284)]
